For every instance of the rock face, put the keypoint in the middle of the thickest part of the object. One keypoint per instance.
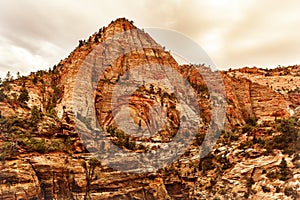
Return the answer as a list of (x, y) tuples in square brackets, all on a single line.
[(254, 100), (42, 137), (282, 81)]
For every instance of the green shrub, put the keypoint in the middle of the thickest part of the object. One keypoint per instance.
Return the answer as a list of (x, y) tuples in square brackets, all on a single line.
[(265, 189), (247, 128), (35, 80), (23, 97), (251, 121), (277, 189), (12, 124), (246, 145), (56, 145), (35, 114), (289, 191), (200, 138), (2, 95), (8, 149), (289, 139), (231, 136), (51, 112), (261, 142), (36, 145), (3, 156), (284, 173), (207, 163), (272, 175)]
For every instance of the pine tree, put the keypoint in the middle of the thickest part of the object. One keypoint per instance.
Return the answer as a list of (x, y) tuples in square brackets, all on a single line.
[(2, 95), (8, 77), (23, 97), (285, 172), (35, 114)]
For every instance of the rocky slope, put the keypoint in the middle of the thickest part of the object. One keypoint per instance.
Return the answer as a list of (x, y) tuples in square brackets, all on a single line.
[(42, 151)]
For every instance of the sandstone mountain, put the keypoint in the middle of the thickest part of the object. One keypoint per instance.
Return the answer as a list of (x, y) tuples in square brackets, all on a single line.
[(48, 119)]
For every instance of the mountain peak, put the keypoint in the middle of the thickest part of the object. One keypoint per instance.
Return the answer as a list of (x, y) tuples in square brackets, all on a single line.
[(122, 20), (120, 25)]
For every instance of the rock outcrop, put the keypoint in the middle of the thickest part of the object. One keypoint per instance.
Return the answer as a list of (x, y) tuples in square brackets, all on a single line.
[(43, 138)]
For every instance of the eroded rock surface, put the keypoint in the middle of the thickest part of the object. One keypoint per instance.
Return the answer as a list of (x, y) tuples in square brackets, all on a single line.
[(43, 156)]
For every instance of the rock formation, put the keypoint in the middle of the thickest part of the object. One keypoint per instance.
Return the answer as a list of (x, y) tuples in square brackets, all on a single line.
[(46, 142)]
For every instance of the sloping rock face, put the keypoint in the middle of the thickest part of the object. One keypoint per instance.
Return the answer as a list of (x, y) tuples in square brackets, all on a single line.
[(267, 103), (255, 100), (42, 151), (283, 80)]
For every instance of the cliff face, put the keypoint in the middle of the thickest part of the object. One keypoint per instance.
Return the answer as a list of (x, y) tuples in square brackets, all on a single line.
[(251, 99), (42, 152)]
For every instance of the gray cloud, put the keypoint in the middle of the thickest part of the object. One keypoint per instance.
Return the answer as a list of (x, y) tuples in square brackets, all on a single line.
[(37, 34), (265, 36)]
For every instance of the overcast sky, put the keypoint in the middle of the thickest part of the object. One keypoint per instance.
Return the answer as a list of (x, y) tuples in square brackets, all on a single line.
[(36, 34)]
